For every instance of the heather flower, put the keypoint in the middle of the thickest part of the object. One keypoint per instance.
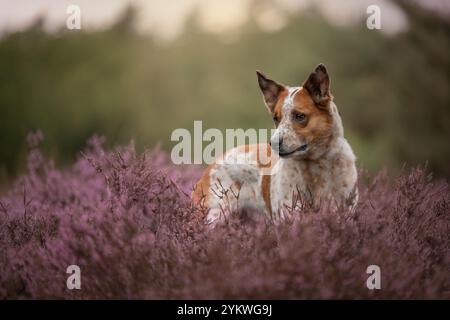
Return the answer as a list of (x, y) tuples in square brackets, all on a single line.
[(127, 221)]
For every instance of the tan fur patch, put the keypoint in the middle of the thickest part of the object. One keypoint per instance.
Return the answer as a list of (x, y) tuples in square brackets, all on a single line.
[(279, 105), (201, 192), (319, 123), (265, 190)]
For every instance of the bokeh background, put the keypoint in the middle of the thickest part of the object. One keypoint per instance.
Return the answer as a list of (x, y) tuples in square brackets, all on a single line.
[(139, 69)]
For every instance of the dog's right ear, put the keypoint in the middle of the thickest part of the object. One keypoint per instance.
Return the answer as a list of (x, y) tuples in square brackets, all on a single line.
[(270, 90)]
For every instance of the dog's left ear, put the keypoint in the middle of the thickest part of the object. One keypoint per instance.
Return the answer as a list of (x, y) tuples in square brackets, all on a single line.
[(318, 86)]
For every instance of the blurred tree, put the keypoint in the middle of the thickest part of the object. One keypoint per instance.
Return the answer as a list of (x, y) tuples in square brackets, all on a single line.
[(391, 91), (126, 23)]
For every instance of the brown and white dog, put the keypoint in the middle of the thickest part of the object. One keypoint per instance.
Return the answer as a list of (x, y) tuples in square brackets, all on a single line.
[(315, 161)]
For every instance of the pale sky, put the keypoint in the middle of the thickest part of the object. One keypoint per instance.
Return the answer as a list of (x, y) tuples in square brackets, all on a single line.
[(166, 18)]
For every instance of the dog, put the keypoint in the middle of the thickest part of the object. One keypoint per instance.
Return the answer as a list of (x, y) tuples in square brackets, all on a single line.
[(309, 157)]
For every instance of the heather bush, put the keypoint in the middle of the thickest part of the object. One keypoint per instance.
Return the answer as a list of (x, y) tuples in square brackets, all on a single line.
[(126, 219)]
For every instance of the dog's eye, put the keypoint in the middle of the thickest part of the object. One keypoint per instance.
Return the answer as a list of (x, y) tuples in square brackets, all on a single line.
[(300, 117), (275, 119)]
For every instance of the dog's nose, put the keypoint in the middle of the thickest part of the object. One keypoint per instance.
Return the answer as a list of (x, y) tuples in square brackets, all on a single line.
[(280, 143), (276, 143)]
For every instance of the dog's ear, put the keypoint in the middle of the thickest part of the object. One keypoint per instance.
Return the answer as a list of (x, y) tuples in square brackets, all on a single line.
[(318, 86), (270, 90)]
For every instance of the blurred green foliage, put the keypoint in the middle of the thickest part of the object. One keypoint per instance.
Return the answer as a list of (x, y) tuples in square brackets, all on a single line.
[(392, 92)]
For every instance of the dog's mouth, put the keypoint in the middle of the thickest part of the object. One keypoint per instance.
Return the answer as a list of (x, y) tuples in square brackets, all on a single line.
[(301, 149)]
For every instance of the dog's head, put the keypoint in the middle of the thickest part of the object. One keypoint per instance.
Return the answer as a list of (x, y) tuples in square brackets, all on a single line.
[(305, 117)]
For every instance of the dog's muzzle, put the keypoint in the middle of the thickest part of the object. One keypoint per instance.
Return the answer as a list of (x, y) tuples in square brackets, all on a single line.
[(282, 153)]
